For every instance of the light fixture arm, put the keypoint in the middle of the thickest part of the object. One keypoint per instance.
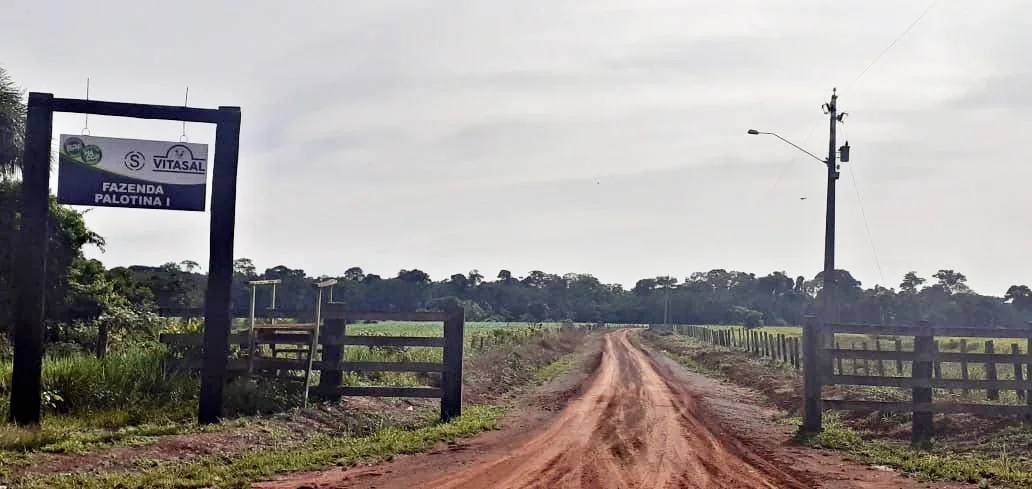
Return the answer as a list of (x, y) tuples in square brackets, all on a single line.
[(794, 145)]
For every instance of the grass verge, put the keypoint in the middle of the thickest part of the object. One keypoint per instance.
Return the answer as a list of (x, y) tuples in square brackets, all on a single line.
[(937, 463), (240, 471)]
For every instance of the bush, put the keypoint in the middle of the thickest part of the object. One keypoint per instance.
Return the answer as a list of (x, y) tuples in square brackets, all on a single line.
[(131, 379)]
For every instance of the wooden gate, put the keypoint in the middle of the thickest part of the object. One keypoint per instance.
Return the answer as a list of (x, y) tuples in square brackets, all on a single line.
[(330, 351)]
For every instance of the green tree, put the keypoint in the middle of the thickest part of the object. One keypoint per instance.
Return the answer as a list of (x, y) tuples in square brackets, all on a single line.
[(12, 125), (1020, 296), (354, 274), (911, 283), (952, 282)]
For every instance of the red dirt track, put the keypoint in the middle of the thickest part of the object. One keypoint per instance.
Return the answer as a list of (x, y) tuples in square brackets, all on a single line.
[(631, 428), (638, 422)]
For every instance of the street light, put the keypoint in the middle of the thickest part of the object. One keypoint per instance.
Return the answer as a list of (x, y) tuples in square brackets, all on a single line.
[(812, 417), (794, 145)]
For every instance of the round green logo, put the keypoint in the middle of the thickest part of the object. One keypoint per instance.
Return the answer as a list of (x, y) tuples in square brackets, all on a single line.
[(73, 147), (91, 154)]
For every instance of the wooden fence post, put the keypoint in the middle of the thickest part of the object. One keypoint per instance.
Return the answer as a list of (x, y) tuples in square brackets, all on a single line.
[(1019, 376), (812, 343), (899, 359), (451, 378), (991, 394), (1028, 375), (937, 365), (964, 366), (881, 362), (921, 373), (331, 377), (797, 352), (838, 360), (867, 363)]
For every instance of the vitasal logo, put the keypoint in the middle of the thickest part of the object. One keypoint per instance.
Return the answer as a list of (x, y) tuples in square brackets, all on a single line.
[(179, 159)]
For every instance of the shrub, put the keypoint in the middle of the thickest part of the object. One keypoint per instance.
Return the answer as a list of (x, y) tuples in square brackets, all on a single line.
[(131, 379)]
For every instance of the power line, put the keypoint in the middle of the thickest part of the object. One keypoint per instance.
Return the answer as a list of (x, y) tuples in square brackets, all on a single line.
[(870, 237), (893, 43), (852, 173)]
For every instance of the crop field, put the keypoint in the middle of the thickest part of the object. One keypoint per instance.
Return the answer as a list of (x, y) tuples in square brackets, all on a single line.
[(413, 328)]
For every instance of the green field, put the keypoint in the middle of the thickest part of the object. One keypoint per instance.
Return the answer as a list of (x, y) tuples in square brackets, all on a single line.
[(414, 328)]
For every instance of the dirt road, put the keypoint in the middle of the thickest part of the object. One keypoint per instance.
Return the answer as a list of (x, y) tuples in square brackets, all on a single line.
[(631, 428), (636, 423)]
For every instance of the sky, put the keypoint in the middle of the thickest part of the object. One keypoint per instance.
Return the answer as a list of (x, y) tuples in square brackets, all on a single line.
[(588, 136)]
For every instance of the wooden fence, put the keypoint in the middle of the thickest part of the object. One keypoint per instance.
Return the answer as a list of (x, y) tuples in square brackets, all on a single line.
[(778, 347), (333, 339), (919, 361), (924, 359)]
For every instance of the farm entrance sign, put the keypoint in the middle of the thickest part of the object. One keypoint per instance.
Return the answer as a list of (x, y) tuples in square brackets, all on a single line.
[(113, 172), (140, 174)]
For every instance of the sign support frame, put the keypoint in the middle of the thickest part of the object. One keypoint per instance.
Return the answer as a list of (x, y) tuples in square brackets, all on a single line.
[(30, 270)]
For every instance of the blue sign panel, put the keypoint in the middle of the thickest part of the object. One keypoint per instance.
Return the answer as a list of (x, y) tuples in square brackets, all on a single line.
[(139, 174)]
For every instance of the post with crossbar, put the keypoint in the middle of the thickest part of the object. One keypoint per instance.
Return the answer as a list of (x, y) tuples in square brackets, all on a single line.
[(218, 295), (812, 344), (313, 345), (30, 267), (451, 378)]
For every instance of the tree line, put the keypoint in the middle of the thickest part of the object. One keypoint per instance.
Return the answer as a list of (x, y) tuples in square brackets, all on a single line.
[(717, 296)]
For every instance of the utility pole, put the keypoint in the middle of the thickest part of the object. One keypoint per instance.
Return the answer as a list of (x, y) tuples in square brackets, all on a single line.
[(829, 225), (666, 307), (831, 108), (816, 338)]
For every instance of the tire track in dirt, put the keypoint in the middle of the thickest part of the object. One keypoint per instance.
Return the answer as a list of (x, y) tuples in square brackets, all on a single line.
[(631, 428)]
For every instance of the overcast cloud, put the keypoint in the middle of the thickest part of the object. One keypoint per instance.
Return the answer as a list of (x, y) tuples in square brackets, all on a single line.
[(575, 136)]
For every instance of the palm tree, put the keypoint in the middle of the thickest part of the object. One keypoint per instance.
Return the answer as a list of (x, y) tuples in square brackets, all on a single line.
[(12, 125), (190, 265)]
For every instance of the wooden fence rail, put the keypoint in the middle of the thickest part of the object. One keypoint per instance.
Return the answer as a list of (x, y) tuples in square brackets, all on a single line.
[(874, 355), (333, 339), (925, 361)]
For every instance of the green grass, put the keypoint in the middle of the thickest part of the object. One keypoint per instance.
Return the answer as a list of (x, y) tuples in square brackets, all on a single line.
[(130, 383), (556, 368), (239, 471), (414, 328), (65, 434), (939, 463)]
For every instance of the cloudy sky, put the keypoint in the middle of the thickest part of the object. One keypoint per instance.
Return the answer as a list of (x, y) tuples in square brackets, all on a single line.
[(569, 136)]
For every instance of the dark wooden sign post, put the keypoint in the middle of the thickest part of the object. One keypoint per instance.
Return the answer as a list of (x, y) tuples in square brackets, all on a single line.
[(30, 270)]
